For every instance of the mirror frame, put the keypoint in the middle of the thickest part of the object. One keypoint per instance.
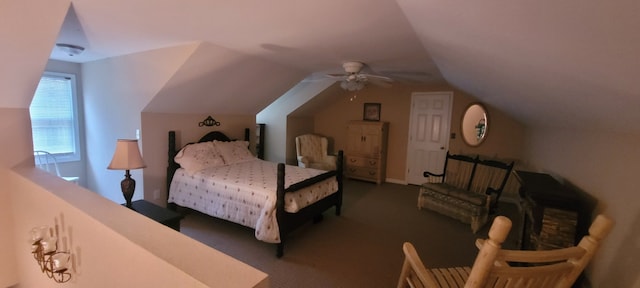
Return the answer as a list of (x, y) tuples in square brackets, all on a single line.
[(486, 126)]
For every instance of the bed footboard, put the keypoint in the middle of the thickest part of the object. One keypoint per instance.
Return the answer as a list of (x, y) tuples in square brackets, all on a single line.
[(287, 222)]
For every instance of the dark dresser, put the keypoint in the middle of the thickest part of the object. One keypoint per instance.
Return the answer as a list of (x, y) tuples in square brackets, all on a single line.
[(556, 215), (161, 215)]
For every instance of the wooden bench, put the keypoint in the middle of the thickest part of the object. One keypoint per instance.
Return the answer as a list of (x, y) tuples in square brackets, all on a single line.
[(468, 189)]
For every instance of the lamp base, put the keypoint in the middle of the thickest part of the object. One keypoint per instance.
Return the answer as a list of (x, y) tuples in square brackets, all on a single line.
[(128, 186)]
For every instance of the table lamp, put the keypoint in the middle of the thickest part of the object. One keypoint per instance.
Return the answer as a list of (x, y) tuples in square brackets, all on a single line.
[(127, 157)]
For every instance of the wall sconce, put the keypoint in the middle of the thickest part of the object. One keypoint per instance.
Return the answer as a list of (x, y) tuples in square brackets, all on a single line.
[(209, 122), (44, 247)]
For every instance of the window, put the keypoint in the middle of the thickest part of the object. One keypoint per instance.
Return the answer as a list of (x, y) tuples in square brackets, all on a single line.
[(54, 121)]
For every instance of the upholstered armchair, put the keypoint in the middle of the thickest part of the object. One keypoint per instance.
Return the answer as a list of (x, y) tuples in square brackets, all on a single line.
[(311, 151)]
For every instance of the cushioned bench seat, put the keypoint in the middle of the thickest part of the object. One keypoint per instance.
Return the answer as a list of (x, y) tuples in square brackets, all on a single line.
[(459, 204), (468, 190)]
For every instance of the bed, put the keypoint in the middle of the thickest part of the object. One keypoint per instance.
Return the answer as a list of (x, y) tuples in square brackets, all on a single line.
[(271, 198)]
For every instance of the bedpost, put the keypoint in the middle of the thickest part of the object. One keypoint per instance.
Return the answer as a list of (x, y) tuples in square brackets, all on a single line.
[(280, 213), (172, 165), (339, 179)]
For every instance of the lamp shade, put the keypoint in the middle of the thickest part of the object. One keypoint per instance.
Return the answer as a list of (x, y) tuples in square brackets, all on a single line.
[(127, 156)]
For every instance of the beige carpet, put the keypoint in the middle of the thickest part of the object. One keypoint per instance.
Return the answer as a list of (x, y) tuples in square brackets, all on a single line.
[(361, 248)]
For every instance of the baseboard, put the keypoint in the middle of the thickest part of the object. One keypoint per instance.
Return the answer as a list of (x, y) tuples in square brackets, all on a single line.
[(396, 181)]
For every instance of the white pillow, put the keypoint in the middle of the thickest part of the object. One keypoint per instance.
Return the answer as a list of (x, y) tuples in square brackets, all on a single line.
[(198, 156), (234, 151)]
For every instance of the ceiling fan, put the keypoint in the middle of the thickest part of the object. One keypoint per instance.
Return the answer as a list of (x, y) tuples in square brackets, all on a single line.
[(354, 79)]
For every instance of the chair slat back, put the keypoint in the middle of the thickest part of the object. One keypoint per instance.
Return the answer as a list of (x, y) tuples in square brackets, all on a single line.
[(487, 176), (46, 161), (547, 268), (499, 268), (491, 174), (459, 172), (540, 276)]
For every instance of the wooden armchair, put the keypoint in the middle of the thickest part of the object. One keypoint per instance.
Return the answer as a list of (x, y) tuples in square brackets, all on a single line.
[(496, 267)]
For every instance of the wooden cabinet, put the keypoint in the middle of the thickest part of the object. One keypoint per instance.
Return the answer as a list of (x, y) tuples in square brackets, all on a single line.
[(366, 153)]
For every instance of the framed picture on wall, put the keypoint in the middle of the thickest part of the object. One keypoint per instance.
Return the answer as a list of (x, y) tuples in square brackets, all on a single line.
[(371, 112)]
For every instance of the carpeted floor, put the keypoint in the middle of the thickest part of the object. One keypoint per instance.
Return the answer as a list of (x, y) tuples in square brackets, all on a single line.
[(360, 248)]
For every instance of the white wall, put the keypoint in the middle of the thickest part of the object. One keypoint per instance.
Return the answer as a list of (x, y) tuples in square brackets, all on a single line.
[(99, 231), (275, 116), (13, 122), (23, 55), (116, 90), (29, 30), (605, 165), (110, 244)]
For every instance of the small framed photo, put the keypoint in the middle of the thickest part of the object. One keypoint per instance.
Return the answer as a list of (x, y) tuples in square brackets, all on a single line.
[(371, 112)]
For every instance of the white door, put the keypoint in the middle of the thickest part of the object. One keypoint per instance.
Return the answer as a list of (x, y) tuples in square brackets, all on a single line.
[(428, 134)]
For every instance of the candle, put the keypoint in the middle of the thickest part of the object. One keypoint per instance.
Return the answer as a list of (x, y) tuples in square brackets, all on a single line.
[(39, 233), (49, 245), (60, 261)]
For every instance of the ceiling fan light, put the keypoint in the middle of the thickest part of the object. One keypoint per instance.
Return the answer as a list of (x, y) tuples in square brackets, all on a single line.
[(352, 85)]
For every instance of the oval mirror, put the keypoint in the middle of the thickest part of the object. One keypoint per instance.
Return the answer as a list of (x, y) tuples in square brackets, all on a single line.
[(474, 124)]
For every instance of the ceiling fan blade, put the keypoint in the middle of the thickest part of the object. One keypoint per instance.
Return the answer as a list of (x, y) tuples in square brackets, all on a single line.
[(338, 76), (378, 77), (380, 82)]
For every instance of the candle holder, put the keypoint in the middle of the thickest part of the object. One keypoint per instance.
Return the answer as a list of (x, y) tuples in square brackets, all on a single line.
[(53, 263)]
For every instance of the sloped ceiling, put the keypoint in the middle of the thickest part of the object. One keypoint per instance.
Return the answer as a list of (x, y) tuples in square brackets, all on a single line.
[(549, 63), (560, 64), (218, 80), (26, 53)]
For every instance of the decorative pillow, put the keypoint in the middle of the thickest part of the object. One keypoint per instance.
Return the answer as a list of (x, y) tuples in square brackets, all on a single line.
[(198, 156), (234, 151)]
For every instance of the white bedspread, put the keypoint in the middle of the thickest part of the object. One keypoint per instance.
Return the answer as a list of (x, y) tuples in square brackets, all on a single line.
[(245, 193)]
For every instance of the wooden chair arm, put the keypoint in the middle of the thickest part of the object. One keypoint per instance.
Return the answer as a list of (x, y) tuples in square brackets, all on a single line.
[(304, 160), (413, 265), (490, 191), (427, 174)]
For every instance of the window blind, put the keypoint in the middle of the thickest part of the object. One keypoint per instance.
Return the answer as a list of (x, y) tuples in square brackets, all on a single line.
[(52, 115)]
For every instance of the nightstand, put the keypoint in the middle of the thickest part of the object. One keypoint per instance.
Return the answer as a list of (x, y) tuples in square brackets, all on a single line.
[(161, 215)]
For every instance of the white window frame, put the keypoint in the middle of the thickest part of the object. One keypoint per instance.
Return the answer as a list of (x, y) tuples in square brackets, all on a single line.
[(76, 155)]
